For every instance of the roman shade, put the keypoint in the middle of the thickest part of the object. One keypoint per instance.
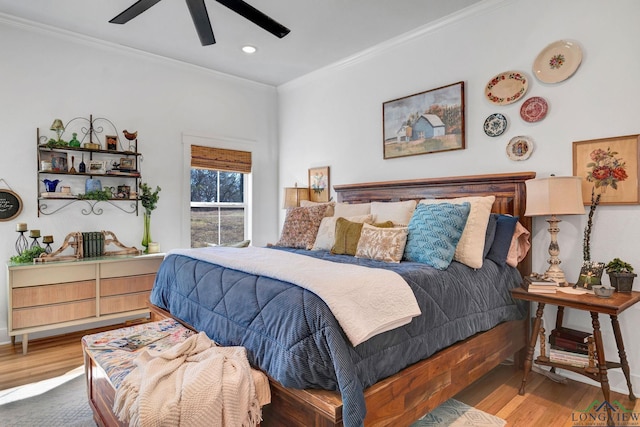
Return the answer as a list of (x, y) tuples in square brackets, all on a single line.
[(220, 159)]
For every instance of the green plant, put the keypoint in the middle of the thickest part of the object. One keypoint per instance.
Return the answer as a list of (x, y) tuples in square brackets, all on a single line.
[(96, 195), (27, 255), (148, 198), (616, 265)]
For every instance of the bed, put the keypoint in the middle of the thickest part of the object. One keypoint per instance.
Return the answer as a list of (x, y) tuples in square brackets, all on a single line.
[(392, 395)]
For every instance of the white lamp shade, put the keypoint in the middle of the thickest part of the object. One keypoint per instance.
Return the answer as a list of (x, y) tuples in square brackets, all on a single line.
[(556, 195)]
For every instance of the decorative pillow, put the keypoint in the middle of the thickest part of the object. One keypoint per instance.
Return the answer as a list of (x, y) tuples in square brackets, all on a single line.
[(505, 227), (352, 209), (382, 244), (398, 212), (471, 245), (326, 237), (301, 227), (434, 233), (348, 235), (520, 245), (330, 205), (490, 235)]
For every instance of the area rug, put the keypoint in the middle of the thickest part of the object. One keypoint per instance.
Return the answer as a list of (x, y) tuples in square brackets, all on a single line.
[(62, 402), (453, 413), (58, 402)]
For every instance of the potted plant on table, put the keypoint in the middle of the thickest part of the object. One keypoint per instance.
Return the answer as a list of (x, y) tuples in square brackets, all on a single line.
[(621, 275), (149, 200)]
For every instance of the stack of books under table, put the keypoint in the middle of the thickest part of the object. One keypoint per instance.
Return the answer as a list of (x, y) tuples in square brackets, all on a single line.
[(540, 285), (570, 347)]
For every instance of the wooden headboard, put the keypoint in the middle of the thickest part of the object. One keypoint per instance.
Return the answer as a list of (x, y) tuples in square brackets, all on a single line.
[(509, 189)]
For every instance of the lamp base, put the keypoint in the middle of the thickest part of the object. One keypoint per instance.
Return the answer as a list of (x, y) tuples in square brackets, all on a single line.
[(557, 275)]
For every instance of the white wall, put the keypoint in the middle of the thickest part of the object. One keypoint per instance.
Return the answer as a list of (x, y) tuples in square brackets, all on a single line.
[(334, 116), (47, 74)]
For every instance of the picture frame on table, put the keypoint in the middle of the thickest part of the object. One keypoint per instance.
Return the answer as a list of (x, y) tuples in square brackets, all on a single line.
[(609, 167), (319, 184), (427, 122)]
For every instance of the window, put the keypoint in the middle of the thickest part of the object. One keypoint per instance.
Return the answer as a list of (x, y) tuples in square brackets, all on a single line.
[(218, 195)]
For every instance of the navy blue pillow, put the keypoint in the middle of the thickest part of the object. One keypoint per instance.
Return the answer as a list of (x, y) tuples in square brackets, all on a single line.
[(490, 234), (505, 226)]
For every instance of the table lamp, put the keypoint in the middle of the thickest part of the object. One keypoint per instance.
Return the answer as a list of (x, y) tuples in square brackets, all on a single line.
[(294, 195), (556, 195)]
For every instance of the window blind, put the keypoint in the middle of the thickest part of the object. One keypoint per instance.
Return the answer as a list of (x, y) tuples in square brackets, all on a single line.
[(220, 159)]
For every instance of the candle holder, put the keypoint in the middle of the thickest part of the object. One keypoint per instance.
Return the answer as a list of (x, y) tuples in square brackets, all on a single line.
[(35, 243), (22, 244), (47, 240)]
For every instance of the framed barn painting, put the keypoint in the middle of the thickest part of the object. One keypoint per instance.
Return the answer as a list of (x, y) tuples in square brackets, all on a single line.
[(609, 167), (319, 184), (427, 122)]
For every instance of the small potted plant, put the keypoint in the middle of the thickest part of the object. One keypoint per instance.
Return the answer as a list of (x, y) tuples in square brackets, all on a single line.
[(620, 274)]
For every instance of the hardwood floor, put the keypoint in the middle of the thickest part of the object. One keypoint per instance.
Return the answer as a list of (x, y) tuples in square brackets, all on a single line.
[(546, 403)]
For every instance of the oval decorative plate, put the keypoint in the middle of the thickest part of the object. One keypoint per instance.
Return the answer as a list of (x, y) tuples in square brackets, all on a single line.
[(495, 125), (520, 148), (534, 109), (507, 87), (557, 62)]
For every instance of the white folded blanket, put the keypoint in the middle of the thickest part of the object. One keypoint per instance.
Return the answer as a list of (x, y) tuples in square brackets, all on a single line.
[(365, 301), (192, 384)]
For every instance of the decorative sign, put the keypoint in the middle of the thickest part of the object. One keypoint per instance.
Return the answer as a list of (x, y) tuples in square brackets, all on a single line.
[(10, 205)]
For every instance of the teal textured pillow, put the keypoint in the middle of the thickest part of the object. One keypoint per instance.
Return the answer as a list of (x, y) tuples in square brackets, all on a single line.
[(434, 232)]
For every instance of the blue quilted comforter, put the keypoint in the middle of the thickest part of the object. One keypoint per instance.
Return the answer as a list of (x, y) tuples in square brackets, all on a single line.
[(292, 335)]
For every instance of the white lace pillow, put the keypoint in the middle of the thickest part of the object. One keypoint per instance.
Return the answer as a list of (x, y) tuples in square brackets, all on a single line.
[(470, 249), (327, 232), (382, 244)]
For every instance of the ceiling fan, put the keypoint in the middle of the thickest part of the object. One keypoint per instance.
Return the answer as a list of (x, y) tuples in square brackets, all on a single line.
[(201, 20)]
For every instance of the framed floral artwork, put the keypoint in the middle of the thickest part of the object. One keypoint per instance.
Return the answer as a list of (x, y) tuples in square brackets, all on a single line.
[(427, 122), (319, 184), (609, 167)]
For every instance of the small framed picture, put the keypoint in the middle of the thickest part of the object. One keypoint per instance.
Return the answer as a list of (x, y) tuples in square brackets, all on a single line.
[(124, 191), (96, 167), (111, 142), (127, 164), (319, 183)]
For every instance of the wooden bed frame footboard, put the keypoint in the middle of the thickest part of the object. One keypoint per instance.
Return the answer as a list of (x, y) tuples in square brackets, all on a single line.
[(404, 397)]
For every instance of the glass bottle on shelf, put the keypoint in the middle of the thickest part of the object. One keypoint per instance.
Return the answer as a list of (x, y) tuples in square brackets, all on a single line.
[(82, 168)]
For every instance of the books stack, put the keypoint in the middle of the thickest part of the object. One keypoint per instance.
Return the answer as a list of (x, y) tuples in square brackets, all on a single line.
[(570, 347), (539, 285)]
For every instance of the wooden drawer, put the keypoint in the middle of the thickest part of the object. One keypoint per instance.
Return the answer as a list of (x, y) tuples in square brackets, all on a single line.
[(46, 315), (126, 285), (121, 303), (50, 274), (132, 267), (53, 294)]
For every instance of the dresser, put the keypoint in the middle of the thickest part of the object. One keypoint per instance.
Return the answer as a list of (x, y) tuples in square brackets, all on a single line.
[(48, 296)]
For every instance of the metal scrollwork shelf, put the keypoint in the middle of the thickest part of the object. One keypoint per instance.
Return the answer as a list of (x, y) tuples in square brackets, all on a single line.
[(107, 156), (91, 208)]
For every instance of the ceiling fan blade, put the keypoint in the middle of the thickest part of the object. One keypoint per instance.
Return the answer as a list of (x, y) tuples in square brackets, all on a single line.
[(255, 16), (201, 21), (132, 11)]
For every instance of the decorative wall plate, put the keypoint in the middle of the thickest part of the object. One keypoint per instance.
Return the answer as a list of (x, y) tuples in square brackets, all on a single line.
[(520, 148), (557, 62), (534, 109), (507, 87), (495, 125)]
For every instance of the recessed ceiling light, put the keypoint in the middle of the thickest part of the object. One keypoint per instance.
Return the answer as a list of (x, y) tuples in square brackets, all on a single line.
[(249, 49)]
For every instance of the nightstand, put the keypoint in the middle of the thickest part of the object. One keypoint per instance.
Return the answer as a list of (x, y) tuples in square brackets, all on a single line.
[(613, 306)]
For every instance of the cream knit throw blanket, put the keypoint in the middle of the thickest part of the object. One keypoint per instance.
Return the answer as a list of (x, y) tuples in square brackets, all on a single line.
[(194, 383)]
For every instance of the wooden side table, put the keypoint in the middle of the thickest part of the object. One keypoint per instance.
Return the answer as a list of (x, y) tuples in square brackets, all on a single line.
[(613, 306)]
